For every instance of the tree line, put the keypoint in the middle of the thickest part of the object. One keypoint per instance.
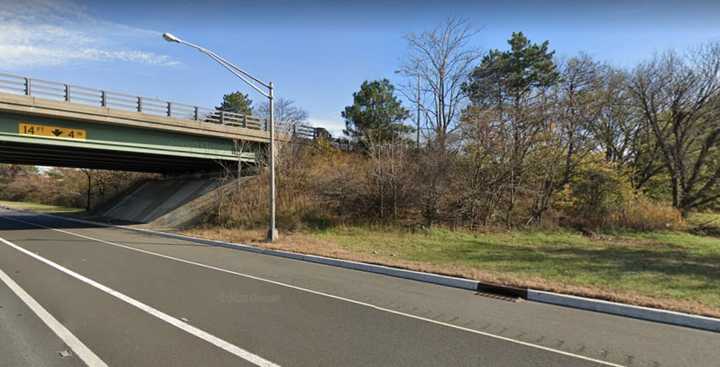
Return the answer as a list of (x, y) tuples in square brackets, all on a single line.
[(513, 135), (67, 187)]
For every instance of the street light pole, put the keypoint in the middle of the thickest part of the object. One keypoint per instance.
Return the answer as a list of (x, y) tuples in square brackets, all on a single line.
[(256, 84), (272, 231)]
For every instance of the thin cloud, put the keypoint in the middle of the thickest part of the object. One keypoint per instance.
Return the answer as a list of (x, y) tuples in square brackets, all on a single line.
[(51, 33)]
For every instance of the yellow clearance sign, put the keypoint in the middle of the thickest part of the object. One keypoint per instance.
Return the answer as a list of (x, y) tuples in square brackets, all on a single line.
[(51, 131)]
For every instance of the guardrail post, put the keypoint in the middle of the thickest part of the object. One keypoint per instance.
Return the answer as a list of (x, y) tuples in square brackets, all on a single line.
[(28, 90), (195, 113), (103, 99), (169, 109), (139, 104), (67, 93)]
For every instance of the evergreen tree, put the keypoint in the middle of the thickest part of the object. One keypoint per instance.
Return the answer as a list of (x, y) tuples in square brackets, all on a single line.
[(507, 77), (237, 102), (376, 115)]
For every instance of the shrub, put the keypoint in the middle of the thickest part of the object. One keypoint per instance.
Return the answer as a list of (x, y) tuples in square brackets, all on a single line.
[(601, 197), (644, 214), (596, 195), (320, 186), (300, 169)]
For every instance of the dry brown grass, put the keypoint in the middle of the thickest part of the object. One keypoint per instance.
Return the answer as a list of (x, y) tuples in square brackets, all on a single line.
[(643, 214)]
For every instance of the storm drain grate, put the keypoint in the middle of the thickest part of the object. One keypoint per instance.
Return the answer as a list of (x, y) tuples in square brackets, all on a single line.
[(498, 297)]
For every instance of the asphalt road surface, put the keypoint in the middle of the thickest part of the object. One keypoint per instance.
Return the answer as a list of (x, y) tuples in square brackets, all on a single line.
[(72, 295)]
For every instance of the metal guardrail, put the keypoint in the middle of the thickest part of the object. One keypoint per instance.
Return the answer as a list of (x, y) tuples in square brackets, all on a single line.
[(304, 131), (56, 91)]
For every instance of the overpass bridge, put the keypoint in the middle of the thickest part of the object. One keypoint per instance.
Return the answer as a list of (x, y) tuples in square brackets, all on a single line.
[(57, 124)]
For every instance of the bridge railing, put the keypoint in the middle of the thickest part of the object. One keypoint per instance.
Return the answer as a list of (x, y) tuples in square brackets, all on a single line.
[(304, 131), (56, 91)]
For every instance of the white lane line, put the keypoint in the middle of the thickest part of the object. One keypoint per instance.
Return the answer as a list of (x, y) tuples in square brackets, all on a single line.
[(379, 308), (212, 339), (81, 350)]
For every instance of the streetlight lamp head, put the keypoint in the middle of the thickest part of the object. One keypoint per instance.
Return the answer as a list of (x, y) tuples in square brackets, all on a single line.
[(170, 37)]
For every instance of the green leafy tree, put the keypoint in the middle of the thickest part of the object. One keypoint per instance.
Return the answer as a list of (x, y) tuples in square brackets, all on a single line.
[(376, 115), (237, 102)]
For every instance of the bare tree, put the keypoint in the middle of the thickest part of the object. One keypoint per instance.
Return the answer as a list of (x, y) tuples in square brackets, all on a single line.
[(287, 115), (680, 100), (440, 61), (618, 123), (88, 192), (482, 173), (390, 175), (621, 132), (565, 140), (240, 147)]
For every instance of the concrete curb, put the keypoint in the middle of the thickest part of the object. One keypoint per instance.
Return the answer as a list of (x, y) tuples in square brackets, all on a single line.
[(589, 304), (443, 280), (621, 309), (347, 264)]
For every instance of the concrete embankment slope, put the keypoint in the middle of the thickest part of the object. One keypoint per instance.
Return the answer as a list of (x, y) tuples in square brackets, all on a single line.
[(167, 203)]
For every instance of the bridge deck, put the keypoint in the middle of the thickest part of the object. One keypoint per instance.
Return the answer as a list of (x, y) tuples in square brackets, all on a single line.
[(33, 106), (117, 131)]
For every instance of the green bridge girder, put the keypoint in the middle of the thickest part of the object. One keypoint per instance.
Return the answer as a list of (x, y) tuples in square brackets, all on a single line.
[(119, 140)]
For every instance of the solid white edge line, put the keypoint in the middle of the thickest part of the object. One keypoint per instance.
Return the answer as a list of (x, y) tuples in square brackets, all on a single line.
[(222, 344), (379, 308), (86, 355)]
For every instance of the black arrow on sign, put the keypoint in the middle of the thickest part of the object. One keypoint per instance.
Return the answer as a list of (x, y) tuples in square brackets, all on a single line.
[(57, 132)]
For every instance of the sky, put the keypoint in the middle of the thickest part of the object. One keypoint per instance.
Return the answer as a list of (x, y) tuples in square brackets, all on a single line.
[(317, 53)]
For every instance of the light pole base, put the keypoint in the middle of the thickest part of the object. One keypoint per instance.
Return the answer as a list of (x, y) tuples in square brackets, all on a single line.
[(272, 235)]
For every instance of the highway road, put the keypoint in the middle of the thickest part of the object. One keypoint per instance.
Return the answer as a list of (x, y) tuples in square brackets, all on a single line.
[(72, 294)]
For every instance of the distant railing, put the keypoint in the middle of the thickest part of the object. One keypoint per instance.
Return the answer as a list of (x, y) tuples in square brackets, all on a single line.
[(304, 131), (44, 89)]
